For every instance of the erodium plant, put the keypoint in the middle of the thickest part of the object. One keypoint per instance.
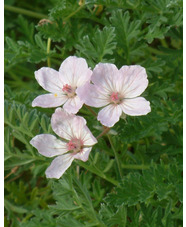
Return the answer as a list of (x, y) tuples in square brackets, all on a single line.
[(113, 88), (93, 113)]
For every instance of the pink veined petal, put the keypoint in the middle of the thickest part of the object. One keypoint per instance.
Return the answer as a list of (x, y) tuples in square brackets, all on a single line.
[(109, 115), (84, 154), (74, 71), (134, 79), (87, 137), (104, 75), (49, 79), (73, 105), (82, 132), (66, 125), (136, 106), (92, 95), (48, 145), (49, 100), (79, 127), (59, 165)]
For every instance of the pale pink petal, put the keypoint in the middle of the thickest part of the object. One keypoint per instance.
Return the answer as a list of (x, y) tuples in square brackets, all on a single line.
[(87, 137), (66, 125), (79, 125), (109, 115), (49, 79), (74, 71), (59, 165), (92, 95), (134, 79), (84, 154), (73, 105), (48, 145), (49, 100), (82, 132), (136, 106), (104, 75)]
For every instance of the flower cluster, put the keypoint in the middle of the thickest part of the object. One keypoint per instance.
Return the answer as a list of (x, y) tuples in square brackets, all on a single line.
[(116, 90)]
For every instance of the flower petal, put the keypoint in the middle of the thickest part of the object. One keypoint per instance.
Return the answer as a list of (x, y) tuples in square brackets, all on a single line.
[(92, 95), (136, 106), (84, 154), (74, 71), (109, 115), (66, 125), (87, 137), (59, 165), (48, 145), (49, 79), (49, 100), (104, 75), (73, 105), (134, 79)]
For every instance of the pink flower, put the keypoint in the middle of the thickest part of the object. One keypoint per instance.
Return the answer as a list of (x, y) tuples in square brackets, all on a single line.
[(62, 85), (76, 143), (117, 91)]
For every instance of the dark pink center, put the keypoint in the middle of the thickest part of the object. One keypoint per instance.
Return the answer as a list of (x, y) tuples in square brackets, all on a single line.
[(67, 88), (75, 145), (114, 96), (71, 146)]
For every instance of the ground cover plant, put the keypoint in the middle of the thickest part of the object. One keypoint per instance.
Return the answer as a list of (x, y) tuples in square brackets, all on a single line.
[(133, 175)]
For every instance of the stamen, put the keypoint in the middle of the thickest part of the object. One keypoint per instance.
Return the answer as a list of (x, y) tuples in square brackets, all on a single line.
[(55, 95), (67, 88), (71, 146), (75, 145), (69, 91), (114, 96)]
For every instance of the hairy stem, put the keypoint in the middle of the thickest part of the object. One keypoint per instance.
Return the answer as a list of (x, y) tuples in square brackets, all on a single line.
[(11, 172), (91, 110), (103, 132), (25, 12), (76, 11)]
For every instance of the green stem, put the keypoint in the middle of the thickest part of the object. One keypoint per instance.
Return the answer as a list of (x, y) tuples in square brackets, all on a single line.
[(48, 51), (98, 173), (139, 167), (116, 156), (25, 12), (73, 13)]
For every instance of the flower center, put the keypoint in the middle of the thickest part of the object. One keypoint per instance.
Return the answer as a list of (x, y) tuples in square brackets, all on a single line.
[(75, 145), (115, 97), (70, 92)]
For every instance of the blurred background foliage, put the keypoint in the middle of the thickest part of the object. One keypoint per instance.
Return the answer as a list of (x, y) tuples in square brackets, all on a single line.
[(147, 189)]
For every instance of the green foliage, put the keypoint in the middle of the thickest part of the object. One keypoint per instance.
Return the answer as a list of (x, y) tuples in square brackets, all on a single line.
[(156, 184), (163, 16), (20, 51), (147, 190), (127, 33), (97, 49)]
